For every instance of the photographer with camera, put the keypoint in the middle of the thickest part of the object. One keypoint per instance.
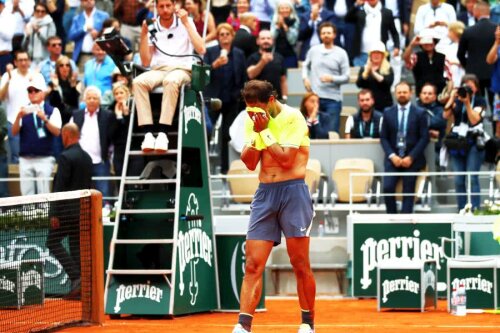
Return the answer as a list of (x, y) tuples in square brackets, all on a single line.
[(36, 124), (466, 140)]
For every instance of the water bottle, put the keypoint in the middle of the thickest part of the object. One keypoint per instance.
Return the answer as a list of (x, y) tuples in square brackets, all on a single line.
[(321, 229), (453, 302), (461, 301)]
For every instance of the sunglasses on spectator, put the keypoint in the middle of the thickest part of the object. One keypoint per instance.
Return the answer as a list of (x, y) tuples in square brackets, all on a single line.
[(56, 44), (222, 34), (64, 65), (33, 90)]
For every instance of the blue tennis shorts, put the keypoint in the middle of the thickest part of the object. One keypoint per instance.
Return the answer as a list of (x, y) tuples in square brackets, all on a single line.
[(283, 206)]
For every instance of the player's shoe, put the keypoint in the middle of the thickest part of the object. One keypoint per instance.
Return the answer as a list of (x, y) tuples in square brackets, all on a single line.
[(305, 328), (239, 329)]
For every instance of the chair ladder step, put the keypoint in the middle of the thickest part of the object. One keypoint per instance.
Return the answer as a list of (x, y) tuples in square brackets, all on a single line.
[(153, 153), (139, 271), (144, 241), (149, 181), (148, 211)]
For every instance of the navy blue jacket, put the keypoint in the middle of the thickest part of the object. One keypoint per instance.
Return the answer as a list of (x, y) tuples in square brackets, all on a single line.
[(417, 134), (237, 60)]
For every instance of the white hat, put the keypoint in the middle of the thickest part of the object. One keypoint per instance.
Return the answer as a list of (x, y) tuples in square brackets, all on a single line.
[(378, 46), (38, 82), (427, 36)]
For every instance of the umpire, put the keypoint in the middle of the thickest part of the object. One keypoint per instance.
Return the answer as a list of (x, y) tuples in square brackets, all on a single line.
[(74, 172)]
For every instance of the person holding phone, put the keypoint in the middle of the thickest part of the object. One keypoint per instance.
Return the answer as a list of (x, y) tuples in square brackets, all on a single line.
[(36, 124)]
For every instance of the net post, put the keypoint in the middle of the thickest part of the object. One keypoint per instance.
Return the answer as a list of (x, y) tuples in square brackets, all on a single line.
[(97, 301)]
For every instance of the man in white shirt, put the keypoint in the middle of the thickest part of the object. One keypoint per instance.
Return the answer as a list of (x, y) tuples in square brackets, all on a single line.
[(5, 36), (435, 15), (13, 92), (176, 35), (36, 124)]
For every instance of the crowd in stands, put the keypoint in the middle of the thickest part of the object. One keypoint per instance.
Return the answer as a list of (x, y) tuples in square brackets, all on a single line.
[(53, 72)]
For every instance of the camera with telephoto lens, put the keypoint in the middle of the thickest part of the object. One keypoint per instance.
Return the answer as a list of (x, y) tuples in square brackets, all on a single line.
[(464, 91)]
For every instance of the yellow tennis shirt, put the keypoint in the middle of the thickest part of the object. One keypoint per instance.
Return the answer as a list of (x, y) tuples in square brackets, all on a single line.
[(289, 128)]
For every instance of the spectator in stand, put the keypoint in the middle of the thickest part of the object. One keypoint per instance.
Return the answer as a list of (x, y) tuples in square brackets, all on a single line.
[(244, 38), (266, 65), (454, 69), (367, 122), (427, 100), (85, 29), (285, 31), (345, 31), (21, 10), (242, 7), (318, 122), (264, 11), (227, 78), (220, 10), (435, 16), (373, 23), (69, 14), (37, 32), (196, 10), (48, 66), (126, 12), (404, 136), (428, 65), (467, 16), (377, 76), (97, 127), (495, 14), (467, 113), (6, 35), (325, 69), (56, 10), (474, 46), (36, 124), (98, 70), (301, 6), (13, 92), (4, 166), (493, 59), (120, 108), (176, 34), (309, 25)]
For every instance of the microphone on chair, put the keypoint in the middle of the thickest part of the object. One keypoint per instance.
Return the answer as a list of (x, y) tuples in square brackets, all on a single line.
[(151, 29)]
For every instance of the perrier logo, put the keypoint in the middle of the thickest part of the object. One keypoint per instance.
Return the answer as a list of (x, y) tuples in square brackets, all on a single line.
[(193, 245), (191, 113), (405, 248), (138, 290), (390, 286), (7, 285)]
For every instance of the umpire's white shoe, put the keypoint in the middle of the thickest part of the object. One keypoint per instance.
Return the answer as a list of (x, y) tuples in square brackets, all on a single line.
[(161, 143), (148, 144), (305, 328), (239, 329)]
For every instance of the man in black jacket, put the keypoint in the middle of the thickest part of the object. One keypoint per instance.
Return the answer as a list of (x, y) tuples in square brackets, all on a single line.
[(74, 172), (475, 44)]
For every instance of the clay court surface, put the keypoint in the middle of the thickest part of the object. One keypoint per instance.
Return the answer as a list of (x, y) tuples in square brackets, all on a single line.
[(345, 315)]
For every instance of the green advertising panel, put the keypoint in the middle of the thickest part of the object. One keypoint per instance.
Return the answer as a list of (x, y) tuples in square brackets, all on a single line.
[(479, 285), (138, 294), (18, 245), (376, 242), (31, 274), (231, 264), (400, 288), (195, 277), (10, 289)]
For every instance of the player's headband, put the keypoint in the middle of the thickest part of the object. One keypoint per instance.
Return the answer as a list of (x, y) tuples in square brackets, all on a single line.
[(255, 109)]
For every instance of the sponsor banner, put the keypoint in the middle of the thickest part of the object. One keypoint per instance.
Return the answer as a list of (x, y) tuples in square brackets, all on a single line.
[(138, 295), (231, 267), (479, 286), (30, 244), (376, 242)]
